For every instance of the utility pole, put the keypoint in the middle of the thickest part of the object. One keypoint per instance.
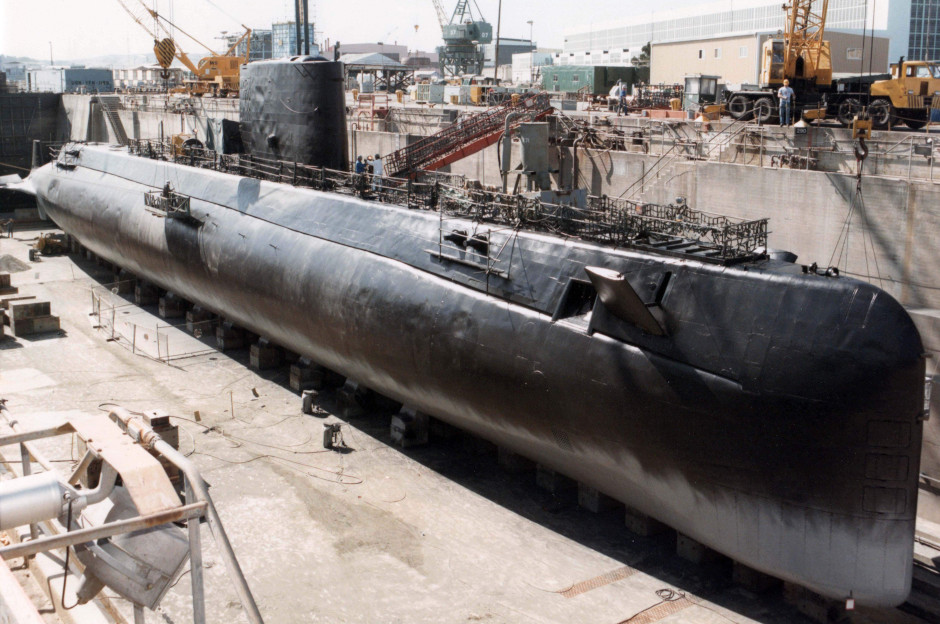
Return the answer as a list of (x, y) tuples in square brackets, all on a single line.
[(531, 55), (499, 21), (51, 61)]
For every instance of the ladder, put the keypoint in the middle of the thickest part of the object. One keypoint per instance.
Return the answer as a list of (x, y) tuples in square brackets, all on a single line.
[(110, 105), (463, 138)]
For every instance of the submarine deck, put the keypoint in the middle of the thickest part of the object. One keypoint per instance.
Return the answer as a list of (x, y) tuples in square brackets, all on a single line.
[(427, 534)]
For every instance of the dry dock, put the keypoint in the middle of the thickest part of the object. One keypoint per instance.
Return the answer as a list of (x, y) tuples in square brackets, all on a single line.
[(371, 533)]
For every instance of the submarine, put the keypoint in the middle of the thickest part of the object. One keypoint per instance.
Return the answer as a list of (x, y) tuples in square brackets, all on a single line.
[(768, 410)]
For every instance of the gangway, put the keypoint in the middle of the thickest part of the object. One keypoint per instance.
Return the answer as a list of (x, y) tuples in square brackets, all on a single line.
[(463, 138)]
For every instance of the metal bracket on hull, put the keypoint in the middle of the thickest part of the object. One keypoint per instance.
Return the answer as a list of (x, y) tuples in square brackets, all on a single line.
[(470, 263), (619, 296), (170, 203)]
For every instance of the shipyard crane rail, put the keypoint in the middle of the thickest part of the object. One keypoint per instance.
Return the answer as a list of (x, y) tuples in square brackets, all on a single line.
[(464, 137)]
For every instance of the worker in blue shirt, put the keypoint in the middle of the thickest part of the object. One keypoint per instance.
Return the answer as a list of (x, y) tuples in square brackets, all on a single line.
[(360, 166), (785, 95)]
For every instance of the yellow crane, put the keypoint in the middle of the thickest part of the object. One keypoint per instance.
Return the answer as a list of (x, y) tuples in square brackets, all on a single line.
[(215, 74), (801, 56)]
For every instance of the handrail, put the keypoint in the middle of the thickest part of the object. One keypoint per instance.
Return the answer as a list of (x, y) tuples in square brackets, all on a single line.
[(604, 221)]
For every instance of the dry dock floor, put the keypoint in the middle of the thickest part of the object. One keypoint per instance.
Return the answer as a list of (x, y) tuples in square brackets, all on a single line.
[(438, 533)]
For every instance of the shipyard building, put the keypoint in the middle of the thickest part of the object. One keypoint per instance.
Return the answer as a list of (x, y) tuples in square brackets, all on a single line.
[(910, 26), (147, 78), (737, 58), (70, 80)]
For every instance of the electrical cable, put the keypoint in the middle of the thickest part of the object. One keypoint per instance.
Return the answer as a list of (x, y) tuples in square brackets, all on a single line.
[(68, 550)]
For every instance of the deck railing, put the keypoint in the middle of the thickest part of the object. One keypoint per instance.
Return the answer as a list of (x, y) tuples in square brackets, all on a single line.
[(675, 229)]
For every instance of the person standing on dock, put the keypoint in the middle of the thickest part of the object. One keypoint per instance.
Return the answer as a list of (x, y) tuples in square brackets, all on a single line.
[(379, 172), (8, 227), (785, 95), (360, 166)]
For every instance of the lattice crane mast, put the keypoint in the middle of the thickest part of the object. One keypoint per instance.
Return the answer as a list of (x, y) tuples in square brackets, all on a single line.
[(441, 14)]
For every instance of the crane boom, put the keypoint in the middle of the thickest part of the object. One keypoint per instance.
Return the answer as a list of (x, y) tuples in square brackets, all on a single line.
[(804, 34), (216, 73), (441, 15)]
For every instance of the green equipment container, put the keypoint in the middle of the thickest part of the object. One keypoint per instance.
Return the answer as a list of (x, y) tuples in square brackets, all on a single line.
[(594, 79)]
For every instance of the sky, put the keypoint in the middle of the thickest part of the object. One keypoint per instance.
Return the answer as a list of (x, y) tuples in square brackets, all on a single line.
[(80, 29)]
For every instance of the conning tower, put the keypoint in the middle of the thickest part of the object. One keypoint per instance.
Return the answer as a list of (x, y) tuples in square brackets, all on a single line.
[(295, 110)]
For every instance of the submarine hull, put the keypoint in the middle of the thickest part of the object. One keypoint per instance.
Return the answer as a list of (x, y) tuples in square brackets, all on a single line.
[(776, 420)]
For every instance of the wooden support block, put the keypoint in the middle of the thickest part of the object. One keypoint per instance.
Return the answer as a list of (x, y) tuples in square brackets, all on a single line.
[(812, 605), (263, 355), (37, 325), (316, 378), (594, 500), (752, 580), (171, 306), (555, 482), (6, 288), (302, 377), (514, 462), (642, 524), (5, 302), (694, 551), (350, 400), (200, 319), (410, 427), (146, 294), (31, 318), (228, 336), (441, 430), (125, 283)]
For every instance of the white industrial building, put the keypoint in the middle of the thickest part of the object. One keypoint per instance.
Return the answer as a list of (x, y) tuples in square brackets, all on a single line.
[(908, 24), (527, 66), (69, 80), (146, 78)]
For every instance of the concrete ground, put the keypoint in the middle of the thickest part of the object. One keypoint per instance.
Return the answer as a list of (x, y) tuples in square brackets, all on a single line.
[(375, 533)]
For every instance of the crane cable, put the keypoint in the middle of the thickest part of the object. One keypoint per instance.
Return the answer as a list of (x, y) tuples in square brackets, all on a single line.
[(858, 204)]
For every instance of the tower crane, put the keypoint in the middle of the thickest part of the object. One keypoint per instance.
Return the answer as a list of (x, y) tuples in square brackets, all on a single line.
[(463, 35), (215, 74)]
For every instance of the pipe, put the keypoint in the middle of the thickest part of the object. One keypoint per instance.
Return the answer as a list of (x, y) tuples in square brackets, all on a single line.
[(30, 499), (105, 486), (574, 162), (80, 536), (507, 147), (149, 439), (35, 498)]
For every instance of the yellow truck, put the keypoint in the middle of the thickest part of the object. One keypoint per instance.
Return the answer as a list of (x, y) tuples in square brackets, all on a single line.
[(906, 97)]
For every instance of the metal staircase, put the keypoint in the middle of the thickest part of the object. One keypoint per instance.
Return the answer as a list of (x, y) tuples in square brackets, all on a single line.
[(683, 148), (463, 138), (110, 105)]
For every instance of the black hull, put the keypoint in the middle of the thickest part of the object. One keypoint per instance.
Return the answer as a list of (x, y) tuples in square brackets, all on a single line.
[(776, 422)]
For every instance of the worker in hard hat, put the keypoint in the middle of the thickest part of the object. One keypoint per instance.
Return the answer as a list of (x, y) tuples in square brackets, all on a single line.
[(785, 96)]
